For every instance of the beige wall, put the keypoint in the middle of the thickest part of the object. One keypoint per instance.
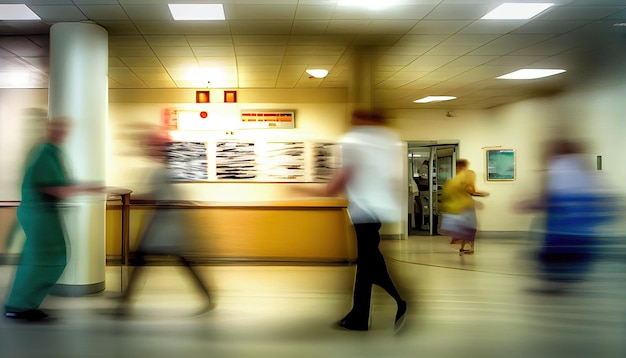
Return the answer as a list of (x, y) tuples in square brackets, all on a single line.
[(595, 112)]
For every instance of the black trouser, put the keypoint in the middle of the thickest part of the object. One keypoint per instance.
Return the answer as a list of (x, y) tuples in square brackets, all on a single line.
[(371, 269)]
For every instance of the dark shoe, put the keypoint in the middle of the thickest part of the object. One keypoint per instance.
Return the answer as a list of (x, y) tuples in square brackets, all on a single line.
[(400, 316), (353, 326), (29, 315)]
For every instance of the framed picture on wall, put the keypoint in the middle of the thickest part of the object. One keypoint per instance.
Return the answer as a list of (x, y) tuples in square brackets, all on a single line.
[(500, 164)]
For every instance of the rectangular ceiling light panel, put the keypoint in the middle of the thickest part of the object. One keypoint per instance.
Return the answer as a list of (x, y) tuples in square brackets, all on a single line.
[(197, 11), (17, 12), (530, 74), (517, 11), (429, 99)]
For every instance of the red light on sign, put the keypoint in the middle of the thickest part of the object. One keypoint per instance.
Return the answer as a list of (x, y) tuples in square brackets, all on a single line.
[(202, 97), (203, 114)]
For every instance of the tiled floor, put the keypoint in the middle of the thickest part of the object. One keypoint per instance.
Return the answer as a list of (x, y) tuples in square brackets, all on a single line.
[(472, 306)]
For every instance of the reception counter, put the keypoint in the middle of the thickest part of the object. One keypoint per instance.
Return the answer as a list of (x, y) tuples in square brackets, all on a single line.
[(307, 230)]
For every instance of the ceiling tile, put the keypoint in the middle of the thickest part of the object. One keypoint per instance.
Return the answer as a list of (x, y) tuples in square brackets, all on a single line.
[(322, 40), (13, 28), (518, 61), (389, 26), (439, 27), (209, 40), (259, 40), (167, 40), (549, 26), (549, 47), (179, 62), (315, 50), (119, 27), (260, 27), (510, 43), (22, 46), (459, 12), (217, 61), (309, 27), (58, 13), (182, 27), (257, 84), (319, 12), (388, 60), (375, 40), (260, 50), (472, 60), (95, 2), (130, 51), (259, 60), (256, 12), (421, 40), (149, 62), (162, 76), (452, 49), (104, 12), (214, 51), (117, 40), (408, 50), (495, 27), (42, 41), (310, 60), (159, 12), (116, 62), (429, 63), (172, 51), (579, 12), (257, 76), (166, 83), (347, 26)]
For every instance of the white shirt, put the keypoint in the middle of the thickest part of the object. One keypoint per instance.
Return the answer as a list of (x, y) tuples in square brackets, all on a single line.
[(373, 156)]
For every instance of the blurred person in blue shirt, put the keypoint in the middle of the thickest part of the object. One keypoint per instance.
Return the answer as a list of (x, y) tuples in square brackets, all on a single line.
[(576, 205)]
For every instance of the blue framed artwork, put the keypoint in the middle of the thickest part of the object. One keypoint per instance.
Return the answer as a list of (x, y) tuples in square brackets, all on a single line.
[(500, 164)]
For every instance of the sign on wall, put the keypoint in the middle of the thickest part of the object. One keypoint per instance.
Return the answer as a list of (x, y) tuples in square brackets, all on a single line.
[(267, 119)]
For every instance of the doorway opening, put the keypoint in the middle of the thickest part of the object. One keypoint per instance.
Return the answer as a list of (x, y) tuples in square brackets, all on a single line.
[(430, 164)]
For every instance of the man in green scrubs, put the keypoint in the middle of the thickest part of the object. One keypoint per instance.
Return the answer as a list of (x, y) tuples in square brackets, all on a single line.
[(44, 256)]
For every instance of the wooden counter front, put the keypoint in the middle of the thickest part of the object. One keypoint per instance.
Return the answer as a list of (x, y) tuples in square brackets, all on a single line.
[(306, 230)]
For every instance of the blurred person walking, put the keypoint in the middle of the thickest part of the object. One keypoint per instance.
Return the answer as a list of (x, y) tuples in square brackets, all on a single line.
[(367, 153), (46, 183), (576, 203), (168, 230), (458, 207)]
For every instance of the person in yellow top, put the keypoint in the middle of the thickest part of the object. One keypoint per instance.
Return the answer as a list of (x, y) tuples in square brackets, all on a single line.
[(459, 215)]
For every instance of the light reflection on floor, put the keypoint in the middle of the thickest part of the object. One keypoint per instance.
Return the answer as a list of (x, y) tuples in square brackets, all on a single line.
[(478, 305)]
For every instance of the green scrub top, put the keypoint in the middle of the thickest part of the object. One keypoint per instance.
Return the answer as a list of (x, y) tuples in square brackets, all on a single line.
[(39, 213)]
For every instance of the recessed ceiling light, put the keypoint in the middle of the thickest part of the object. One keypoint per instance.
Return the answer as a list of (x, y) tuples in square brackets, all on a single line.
[(530, 74), (317, 73), (17, 12), (429, 99), (197, 11), (371, 4), (516, 11)]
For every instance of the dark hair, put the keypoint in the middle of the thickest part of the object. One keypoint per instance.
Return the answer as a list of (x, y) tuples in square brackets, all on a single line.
[(374, 116), (462, 163)]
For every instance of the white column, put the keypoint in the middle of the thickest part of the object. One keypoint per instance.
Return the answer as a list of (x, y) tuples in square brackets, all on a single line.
[(79, 90)]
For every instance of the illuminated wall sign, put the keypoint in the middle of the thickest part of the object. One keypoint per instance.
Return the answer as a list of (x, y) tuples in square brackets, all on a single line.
[(203, 97), (267, 119)]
